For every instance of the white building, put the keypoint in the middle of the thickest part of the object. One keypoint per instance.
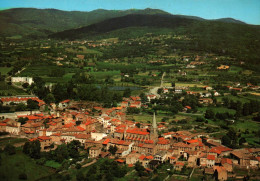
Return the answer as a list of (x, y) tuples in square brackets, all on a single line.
[(28, 80)]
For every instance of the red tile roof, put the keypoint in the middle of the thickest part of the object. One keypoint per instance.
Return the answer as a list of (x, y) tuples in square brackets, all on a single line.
[(211, 157), (219, 149), (119, 160), (179, 163), (106, 142), (226, 160), (142, 157), (65, 101), (80, 128)]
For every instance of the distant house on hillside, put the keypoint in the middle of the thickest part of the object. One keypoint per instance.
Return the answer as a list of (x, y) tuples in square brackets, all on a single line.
[(28, 80), (223, 67)]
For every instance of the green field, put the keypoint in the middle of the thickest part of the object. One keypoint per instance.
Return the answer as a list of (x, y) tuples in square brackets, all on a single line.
[(5, 70), (217, 109), (234, 69), (243, 125), (14, 165), (7, 90), (52, 164), (11, 140), (103, 75), (84, 50)]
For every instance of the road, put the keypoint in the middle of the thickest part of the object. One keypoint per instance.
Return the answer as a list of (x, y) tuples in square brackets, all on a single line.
[(154, 90), (88, 164), (14, 85)]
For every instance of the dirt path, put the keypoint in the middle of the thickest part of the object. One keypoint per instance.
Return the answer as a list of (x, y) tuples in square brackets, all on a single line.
[(154, 90), (88, 164)]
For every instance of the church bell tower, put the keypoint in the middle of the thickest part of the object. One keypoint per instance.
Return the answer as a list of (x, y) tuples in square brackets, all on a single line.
[(154, 131)]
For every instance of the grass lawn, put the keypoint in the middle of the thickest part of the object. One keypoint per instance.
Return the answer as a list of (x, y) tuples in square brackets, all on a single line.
[(103, 75), (189, 85), (13, 165), (5, 141), (84, 50), (52, 164), (5, 70), (217, 109), (6, 90), (243, 125), (234, 69)]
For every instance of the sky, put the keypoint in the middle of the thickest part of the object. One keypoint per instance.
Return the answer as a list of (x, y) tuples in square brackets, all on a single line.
[(244, 10)]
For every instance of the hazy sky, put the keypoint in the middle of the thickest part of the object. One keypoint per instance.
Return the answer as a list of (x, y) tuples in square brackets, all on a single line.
[(244, 10)]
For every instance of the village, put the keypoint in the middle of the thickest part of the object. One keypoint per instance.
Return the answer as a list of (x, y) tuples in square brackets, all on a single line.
[(100, 129), (143, 107)]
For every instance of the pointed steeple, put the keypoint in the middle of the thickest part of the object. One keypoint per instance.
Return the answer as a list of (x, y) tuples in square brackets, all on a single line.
[(154, 134), (154, 122)]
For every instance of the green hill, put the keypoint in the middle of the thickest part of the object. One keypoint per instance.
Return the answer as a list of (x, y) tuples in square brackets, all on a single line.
[(236, 39), (30, 22), (38, 23)]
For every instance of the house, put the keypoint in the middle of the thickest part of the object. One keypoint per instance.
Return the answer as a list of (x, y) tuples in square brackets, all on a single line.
[(94, 152), (211, 160), (132, 158), (227, 164), (81, 57), (28, 80), (220, 173), (205, 101), (207, 88), (179, 165), (161, 156), (64, 104), (223, 67), (45, 141), (144, 160), (151, 97)]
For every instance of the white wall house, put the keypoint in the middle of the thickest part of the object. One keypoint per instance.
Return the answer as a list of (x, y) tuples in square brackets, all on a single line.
[(28, 80)]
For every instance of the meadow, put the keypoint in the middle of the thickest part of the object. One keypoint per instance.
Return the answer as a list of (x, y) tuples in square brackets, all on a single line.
[(7, 90), (14, 165), (5, 70)]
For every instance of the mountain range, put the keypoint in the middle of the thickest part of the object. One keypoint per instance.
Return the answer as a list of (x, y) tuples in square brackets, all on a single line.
[(39, 23)]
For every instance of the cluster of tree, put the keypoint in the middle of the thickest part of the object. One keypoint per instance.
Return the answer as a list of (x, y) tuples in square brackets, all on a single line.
[(233, 139), (192, 101), (33, 149), (171, 104), (140, 169), (133, 110), (61, 153), (58, 72), (113, 149), (108, 170), (71, 90), (64, 151), (9, 149), (242, 109)]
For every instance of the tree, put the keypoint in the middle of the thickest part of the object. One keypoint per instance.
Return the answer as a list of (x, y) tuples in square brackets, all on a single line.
[(22, 120), (127, 92), (26, 148), (112, 149), (242, 140), (20, 107), (209, 114), (31, 104), (35, 149), (9, 149), (25, 85), (49, 98), (138, 125), (22, 176), (80, 176), (226, 140)]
